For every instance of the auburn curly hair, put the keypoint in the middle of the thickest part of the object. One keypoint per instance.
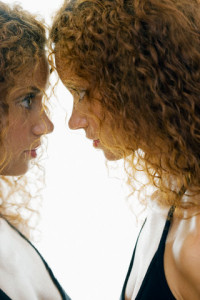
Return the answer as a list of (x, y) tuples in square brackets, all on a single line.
[(143, 56), (22, 41)]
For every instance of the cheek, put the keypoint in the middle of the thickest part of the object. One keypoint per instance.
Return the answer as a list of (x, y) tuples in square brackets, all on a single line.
[(97, 110), (17, 122), (95, 115), (15, 137), (94, 125)]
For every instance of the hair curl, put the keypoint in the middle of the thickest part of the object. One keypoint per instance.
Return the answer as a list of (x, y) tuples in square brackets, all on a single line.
[(22, 43), (143, 56)]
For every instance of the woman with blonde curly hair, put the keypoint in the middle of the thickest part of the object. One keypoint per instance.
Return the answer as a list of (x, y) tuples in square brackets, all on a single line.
[(24, 75), (133, 68)]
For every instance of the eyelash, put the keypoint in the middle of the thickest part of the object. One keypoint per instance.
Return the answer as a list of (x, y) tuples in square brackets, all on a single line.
[(28, 98), (80, 94)]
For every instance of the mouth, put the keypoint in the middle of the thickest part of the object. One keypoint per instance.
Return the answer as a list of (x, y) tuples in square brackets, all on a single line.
[(32, 153), (96, 143)]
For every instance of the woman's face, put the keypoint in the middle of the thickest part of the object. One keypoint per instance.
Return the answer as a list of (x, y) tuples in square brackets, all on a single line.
[(84, 116), (27, 121)]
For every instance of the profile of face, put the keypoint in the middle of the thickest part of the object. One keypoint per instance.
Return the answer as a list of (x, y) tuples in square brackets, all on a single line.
[(27, 120), (85, 116)]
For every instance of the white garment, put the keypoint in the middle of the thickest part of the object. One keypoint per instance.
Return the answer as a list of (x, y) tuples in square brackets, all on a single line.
[(147, 245), (23, 274)]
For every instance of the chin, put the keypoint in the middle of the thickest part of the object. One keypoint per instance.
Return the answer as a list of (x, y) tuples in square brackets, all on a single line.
[(15, 170), (111, 156)]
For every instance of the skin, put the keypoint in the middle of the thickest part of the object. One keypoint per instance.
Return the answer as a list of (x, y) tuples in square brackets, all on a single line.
[(181, 257), (27, 119), (27, 123), (85, 116)]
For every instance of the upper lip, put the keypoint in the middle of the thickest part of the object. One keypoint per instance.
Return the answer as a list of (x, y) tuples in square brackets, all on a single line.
[(90, 138), (37, 146)]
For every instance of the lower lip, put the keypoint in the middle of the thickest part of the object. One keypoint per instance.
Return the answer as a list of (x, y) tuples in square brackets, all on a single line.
[(96, 143), (31, 153)]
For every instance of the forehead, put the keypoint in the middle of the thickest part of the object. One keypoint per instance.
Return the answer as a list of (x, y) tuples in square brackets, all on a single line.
[(34, 75), (68, 75)]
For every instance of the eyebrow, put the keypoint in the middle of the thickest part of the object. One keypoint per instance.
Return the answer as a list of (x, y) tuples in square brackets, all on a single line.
[(76, 89), (72, 85), (34, 89), (28, 90)]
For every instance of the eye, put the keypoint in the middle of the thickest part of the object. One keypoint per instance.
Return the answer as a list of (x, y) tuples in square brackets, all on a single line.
[(77, 93), (27, 101), (81, 95)]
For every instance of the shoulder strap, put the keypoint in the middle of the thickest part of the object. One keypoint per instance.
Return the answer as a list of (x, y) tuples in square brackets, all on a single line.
[(131, 264), (167, 226), (162, 243)]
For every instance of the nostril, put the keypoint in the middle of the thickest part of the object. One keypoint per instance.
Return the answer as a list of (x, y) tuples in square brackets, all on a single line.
[(44, 126), (39, 129), (77, 121)]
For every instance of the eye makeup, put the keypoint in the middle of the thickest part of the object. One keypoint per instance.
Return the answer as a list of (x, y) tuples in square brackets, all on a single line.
[(80, 92)]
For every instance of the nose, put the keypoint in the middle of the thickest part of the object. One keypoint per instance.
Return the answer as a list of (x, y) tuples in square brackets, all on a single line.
[(43, 125), (77, 120)]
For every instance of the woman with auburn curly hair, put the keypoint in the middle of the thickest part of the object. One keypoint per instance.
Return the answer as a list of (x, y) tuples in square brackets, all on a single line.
[(24, 75), (133, 68)]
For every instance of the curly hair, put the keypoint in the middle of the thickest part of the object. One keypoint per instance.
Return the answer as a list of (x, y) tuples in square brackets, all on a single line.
[(143, 57), (22, 41)]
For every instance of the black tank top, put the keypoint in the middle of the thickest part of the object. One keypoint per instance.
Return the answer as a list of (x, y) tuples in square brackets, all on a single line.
[(154, 285), (3, 296)]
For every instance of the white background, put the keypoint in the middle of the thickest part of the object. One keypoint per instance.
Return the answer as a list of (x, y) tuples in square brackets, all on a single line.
[(87, 229)]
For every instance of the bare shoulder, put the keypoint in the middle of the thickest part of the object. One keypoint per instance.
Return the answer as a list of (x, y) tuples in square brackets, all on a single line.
[(185, 247), (188, 240), (190, 244)]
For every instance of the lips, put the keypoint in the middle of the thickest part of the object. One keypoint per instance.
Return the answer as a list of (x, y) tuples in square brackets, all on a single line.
[(96, 143), (32, 152)]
